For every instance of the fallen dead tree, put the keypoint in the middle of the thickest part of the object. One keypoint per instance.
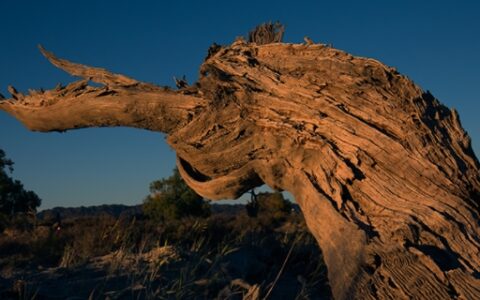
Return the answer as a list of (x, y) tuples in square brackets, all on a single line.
[(385, 175)]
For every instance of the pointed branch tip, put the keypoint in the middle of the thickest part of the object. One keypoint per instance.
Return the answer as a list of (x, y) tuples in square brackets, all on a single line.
[(15, 94), (99, 75), (40, 47), (47, 54), (12, 90)]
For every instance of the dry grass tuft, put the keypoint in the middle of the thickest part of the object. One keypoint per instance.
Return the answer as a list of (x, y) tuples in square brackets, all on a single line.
[(267, 33)]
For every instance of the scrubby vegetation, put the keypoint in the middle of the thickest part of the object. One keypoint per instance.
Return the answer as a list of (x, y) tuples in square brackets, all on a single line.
[(179, 247), (224, 256), (171, 198)]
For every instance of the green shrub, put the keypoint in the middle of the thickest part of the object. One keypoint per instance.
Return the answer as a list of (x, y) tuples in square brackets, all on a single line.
[(171, 198), (273, 203), (14, 199)]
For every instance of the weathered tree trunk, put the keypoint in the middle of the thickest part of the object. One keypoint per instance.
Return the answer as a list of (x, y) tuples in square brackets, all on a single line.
[(384, 174)]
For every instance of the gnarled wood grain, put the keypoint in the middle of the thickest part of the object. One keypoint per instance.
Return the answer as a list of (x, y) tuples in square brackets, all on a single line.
[(384, 174)]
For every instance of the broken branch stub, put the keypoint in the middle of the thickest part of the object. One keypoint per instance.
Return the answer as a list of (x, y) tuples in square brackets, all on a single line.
[(385, 175)]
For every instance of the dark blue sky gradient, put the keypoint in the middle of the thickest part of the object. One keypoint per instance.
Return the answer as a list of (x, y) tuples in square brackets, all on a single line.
[(435, 43)]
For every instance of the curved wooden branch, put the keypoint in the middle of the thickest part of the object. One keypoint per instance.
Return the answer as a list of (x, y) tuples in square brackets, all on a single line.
[(99, 75), (120, 102), (230, 186)]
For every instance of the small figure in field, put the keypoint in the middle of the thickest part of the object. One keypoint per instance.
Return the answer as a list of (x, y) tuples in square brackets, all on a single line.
[(252, 205), (57, 225)]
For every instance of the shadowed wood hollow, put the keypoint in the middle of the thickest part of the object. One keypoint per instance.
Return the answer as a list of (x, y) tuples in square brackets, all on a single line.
[(385, 175)]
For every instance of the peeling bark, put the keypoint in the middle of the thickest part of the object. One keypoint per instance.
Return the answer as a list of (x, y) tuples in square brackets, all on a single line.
[(385, 175)]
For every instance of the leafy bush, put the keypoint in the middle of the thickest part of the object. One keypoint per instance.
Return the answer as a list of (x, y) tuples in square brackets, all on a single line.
[(274, 203), (14, 199), (269, 208), (171, 198)]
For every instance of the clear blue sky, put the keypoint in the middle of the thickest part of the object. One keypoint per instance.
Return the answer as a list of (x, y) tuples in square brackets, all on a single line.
[(435, 43)]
